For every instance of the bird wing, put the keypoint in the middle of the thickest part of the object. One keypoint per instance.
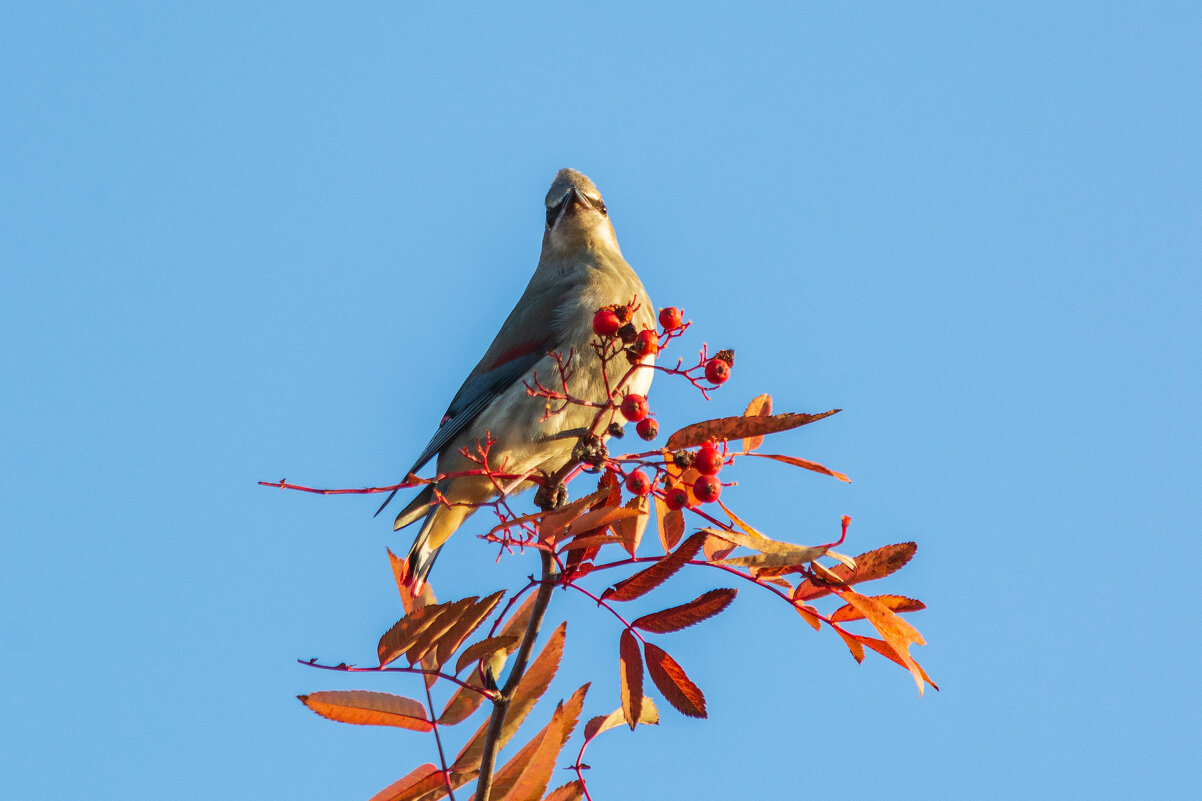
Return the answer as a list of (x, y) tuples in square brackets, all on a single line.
[(528, 334)]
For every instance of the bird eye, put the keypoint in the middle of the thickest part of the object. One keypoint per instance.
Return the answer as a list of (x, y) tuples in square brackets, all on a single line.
[(601, 207), (552, 213)]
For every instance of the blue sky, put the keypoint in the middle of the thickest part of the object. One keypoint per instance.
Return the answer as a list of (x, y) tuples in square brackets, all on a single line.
[(241, 242)]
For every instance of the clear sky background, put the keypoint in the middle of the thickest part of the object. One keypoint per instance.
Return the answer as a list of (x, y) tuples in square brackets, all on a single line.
[(242, 241)]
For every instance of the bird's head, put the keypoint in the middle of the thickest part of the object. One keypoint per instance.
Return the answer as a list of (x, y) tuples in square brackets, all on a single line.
[(576, 215)]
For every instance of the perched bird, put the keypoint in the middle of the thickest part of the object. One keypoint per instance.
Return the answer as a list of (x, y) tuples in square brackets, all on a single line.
[(580, 270)]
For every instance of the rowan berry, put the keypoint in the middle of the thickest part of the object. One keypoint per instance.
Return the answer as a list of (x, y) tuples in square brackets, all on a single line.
[(647, 428), (709, 460), (647, 343), (634, 407), (670, 318), (717, 371), (676, 498), (606, 323), (638, 483), (707, 489)]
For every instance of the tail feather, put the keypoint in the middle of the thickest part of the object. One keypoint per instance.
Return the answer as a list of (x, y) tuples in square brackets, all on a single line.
[(416, 509), (440, 523)]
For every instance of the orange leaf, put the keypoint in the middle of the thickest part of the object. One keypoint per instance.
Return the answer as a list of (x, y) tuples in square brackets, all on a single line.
[(601, 723), (630, 675), (884, 649), (670, 524), (716, 548), (898, 603), (869, 567), (646, 580), (806, 463), (469, 621), (671, 680), (405, 632), (486, 648), (590, 521), (421, 781), (760, 406), (852, 643), (572, 791), (809, 614), (367, 708), (728, 428), (461, 706), (630, 531), (678, 617), (429, 637), (534, 683), (526, 775), (895, 631), (554, 522)]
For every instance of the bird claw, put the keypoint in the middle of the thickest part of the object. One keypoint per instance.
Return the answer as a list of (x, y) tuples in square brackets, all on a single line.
[(551, 497)]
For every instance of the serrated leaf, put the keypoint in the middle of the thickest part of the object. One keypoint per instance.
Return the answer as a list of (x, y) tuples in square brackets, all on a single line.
[(673, 683), (591, 522), (413, 786), (630, 531), (676, 618), (405, 632), (572, 791), (728, 428), (804, 463), (486, 648), (852, 643), (898, 603), (469, 621), (870, 566), (630, 678), (554, 522), (809, 614), (429, 637), (884, 649), (533, 683), (526, 776), (367, 708), (896, 632), (648, 579), (760, 406), (603, 723), (772, 553), (463, 703)]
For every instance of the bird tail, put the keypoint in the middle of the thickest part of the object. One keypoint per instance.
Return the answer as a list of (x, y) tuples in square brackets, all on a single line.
[(440, 523)]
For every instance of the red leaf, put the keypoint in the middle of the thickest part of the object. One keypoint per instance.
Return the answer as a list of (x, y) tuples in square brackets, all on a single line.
[(572, 791), (367, 708), (421, 781), (869, 566), (630, 672), (728, 428), (884, 649), (671, 680), (806, 463), (469, 621), (679, 617), (646, 580)]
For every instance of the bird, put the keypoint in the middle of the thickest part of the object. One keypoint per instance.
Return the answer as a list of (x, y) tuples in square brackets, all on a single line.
[(580, 270)]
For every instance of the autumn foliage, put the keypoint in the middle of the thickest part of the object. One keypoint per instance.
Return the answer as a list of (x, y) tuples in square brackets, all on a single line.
[(595, 546)]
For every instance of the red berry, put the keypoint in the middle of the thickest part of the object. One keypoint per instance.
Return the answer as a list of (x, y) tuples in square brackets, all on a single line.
[(647, 343), (717, 371), (606, 323), (670, 318), (638, 483), (647, 428), (634, 407), (676, 498), (707, 489), (708, 461)]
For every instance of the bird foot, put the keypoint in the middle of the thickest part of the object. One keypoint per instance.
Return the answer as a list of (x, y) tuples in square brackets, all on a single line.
[(551, 497)]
